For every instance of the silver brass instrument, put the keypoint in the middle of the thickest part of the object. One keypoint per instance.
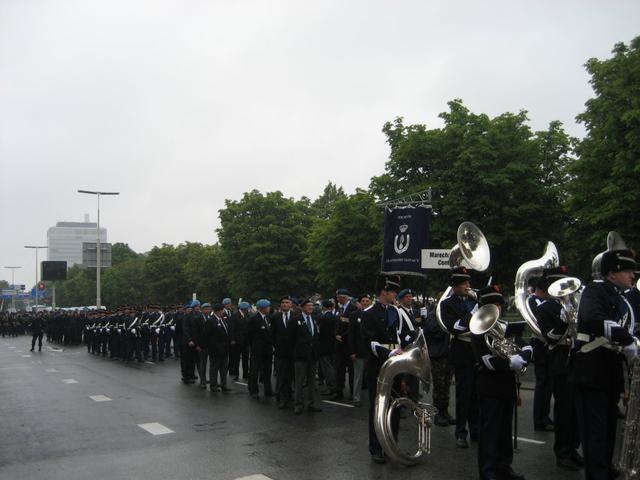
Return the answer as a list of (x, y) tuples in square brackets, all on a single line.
[(472, 251), (414, 360), (533, 268), (565, 289), (485, 322), (629, 455), (614, 242)]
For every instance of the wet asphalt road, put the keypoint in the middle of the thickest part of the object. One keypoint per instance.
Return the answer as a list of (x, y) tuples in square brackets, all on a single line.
[(51, 428)]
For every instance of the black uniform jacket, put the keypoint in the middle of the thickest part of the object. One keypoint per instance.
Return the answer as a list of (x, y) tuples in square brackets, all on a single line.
[(194, 329), (375, 333), (357, 344), (305, 343), (327, 341), (494, 377), (437, 339), (603, 311), (282, 335), (238, 327), (342, 325), (216, 335), (553, 327), (456, 313), (259, 334)]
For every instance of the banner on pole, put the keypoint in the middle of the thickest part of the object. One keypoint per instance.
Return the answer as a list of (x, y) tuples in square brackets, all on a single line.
[(406, 234)]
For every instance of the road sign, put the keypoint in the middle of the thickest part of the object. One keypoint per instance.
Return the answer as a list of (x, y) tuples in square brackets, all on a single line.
[(437, 259)]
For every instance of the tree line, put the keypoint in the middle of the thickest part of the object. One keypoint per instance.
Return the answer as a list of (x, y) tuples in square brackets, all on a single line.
[(521, 187)]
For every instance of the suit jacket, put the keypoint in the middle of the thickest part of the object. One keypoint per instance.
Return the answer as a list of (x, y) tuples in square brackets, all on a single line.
[(305, 342), (216, 335), (327, 341), (282, 335), (238, 324), (357, 344), (456, 313), (259, 335), (437, 339), (194, 329)]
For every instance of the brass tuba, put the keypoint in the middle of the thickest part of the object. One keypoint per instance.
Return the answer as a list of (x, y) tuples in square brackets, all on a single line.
[(414, 360), (549, 259), (485, 322), (471, 251), (565, 290), (614, 242)]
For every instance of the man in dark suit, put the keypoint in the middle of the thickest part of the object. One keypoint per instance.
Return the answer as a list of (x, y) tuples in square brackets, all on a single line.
[(283, 351), (604, 337), (198, 321), (239, 349), (216, 333), (358, 349), (327, 345), (343, 365), (456, 311), (261, 344), (189, 354), (305, 354)]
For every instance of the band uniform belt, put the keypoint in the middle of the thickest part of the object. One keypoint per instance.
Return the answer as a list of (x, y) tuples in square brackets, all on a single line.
[(389, 346), (597, 342), (463, 339)]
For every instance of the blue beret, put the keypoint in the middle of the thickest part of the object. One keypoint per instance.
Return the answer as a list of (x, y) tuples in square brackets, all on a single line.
[(195, 303), (403, 292), (263, 303), (226, 301), (205, 305), (188, 305), (244, 305)]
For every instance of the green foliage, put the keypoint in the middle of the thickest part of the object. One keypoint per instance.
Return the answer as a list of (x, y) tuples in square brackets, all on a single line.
[(344, 249), (121, 252), (605, 188), (322, 207), (264, 239)]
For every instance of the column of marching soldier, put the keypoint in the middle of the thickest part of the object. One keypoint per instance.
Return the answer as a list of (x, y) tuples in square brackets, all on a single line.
[(352, 337)]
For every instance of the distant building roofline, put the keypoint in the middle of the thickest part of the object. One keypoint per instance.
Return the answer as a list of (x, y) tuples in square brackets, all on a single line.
[(77, 224)]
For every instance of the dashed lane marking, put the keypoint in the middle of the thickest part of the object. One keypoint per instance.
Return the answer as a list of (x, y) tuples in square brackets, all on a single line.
[(242, 383), (69, 380), (530, 440), (258, 476), (12, 347), (25, 356), (51, 349), (155, 428), (51, 370), (99, 398), (338, 403)]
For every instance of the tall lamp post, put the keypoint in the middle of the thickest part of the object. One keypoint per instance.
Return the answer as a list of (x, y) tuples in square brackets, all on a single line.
[(36, 248), (13, 285), (90, 192)]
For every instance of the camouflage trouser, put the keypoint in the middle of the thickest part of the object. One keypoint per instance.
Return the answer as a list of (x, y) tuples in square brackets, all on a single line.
[(441, 371)]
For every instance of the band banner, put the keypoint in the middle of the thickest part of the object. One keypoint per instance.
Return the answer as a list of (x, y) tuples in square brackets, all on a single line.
[(406, 234)]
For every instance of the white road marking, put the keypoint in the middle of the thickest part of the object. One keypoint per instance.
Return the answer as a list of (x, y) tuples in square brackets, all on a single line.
[(25, 356), (99, 398), (241, 383), (19, 351), (69, 380), (12, 347), (338, 403), (150, 363), (258, 476), (51, 370), (51, 349), (155, 428), (529, 440)]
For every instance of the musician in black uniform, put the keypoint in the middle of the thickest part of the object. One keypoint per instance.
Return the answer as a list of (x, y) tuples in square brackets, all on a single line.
[(358, 348), (605, 323), (283, 346), (496, 382), (378, 332), (304, 337), (552, 319), (261, 344), (456, 311), (543, 389)]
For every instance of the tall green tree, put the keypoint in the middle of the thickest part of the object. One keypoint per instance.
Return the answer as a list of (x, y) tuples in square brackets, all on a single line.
[(344, 248), (264, 240), (605, 187), (322, 207)]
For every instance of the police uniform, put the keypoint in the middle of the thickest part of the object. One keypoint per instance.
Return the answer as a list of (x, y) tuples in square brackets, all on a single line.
[(605, 321)]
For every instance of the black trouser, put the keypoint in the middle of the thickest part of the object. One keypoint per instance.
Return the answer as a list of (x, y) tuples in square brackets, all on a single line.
[(495, 448), (597, 412), (238, 351), (374, 445), (343, 364), (189, 360), (543, 388), (441, 372), (284, 378), (219, 369), (567, 437), (260, 368), (466, 402), (36, 335)]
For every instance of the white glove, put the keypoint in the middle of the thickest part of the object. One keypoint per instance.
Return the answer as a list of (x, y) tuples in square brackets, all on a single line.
[(516, 362), (630, 351), (157, 331), (472, 295)]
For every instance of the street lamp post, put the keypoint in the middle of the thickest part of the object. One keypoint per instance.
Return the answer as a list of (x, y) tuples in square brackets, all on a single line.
[(36, 248), (90, 192), (13, 285)]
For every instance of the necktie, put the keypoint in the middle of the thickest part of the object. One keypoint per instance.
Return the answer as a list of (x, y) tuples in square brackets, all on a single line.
[(309, 326)]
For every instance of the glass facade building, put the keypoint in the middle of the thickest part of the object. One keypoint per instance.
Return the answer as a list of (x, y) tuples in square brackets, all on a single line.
[(66, 238)]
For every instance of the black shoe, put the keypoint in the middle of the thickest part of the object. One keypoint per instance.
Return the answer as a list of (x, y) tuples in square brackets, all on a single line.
[(441, 421), (216, 389), (225, 389), (313, 409), (510, 474), (473, 437), (269, 394), (255, 395), (281, 405), (567, 464), (450, 419), (337, 396), (235, 379), (327, 393), (31, 350), (545, 428), (577, 459), (462, 443), (297, 410), (378, 458)]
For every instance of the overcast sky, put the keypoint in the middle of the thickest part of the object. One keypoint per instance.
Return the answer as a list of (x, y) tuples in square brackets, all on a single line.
[(179, 105)]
